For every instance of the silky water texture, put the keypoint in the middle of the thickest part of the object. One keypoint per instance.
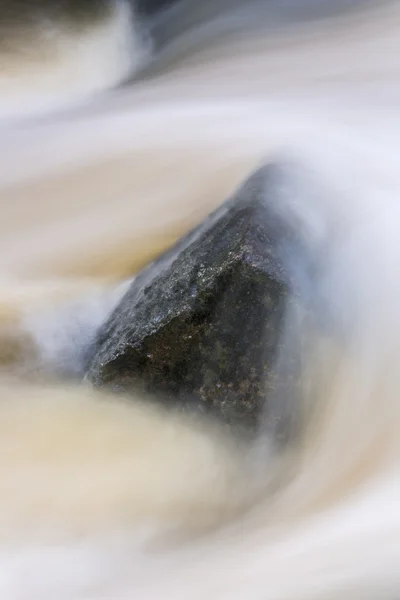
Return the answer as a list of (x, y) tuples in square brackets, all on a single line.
[(113, 146)]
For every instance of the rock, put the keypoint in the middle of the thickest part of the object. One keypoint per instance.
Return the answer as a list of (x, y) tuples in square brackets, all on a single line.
[(202, 326)]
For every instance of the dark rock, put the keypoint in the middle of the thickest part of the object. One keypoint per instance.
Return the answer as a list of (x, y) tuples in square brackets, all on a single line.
[(202, 326)]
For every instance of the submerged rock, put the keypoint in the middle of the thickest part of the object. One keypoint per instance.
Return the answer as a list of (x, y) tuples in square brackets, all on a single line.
[(202, 326)]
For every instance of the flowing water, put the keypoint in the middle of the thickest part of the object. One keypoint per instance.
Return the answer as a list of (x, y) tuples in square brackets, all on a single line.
[(102, 498)]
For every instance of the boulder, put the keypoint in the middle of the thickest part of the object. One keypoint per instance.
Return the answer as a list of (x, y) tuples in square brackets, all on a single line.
[(202, 326)]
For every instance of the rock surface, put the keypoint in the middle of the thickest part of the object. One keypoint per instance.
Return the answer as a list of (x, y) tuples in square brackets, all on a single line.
[(202, 326)]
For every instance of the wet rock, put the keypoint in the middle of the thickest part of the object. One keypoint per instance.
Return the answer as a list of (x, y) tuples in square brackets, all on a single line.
[(202, 326)]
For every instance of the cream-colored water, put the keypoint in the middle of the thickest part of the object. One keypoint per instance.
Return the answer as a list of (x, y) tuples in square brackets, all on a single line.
[(103, 500)]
